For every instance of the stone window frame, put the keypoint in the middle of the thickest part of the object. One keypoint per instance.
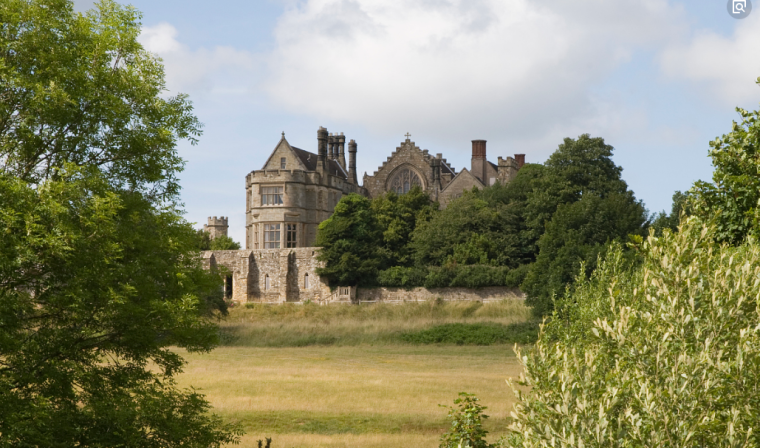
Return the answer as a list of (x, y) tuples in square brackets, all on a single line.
[(291, 230), (272, 195), (283, 162), (306, 281), (272, 235), (267, 282), (255, 229), (399, 173)]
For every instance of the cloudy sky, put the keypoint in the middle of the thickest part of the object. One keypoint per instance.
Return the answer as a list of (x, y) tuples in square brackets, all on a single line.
[(658, 79)]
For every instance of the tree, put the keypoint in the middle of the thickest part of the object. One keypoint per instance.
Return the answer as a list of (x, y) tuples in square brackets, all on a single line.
[(663, 353), (662, 220), (351, 243), (468, 231), (221, 242), (582, 204), (99, 272), (731, 200), (398, 217)]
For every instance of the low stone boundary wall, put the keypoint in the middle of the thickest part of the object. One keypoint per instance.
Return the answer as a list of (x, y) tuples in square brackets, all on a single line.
[(401, 295)]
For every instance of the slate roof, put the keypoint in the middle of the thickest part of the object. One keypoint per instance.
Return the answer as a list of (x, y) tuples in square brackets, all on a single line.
[(309, 159)]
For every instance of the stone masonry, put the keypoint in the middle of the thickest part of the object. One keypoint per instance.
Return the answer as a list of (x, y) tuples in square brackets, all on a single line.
[(296, 190)]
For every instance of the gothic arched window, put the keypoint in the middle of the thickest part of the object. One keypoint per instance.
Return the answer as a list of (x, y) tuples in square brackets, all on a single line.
[(403, 181)]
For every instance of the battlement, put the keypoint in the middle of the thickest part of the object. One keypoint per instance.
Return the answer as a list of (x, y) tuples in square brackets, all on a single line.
[(220, 221)]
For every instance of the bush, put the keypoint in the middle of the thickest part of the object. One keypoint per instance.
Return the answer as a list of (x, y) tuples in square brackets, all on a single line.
[(466, 424), (475, 334), (666, 353)]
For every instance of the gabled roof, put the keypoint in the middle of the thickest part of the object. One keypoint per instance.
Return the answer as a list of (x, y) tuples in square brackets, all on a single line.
[(309, 159), (464, 173)]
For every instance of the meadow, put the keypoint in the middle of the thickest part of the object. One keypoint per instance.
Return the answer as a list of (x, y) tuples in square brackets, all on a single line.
[(356, 376)]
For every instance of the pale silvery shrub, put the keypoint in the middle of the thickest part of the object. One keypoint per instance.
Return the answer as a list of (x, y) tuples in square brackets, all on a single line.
[(664, 353)]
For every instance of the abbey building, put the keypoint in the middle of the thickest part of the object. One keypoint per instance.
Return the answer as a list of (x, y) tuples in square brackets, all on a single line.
[(295, 190)]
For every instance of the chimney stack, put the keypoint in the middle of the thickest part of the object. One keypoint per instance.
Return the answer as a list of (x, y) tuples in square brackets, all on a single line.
[(341, 140), (520, 158), (478, 162), (352, 162), (322, 149)]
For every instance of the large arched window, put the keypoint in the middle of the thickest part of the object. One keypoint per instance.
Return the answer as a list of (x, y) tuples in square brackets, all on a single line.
[(403, 180)]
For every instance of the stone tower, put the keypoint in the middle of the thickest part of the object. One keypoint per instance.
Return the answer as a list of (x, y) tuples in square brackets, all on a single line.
[(216, 226)]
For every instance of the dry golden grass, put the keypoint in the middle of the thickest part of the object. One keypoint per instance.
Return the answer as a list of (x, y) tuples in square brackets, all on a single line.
[(292, 325), (351, 396)]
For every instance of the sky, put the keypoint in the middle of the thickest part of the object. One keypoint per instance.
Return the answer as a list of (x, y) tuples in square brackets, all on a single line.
[(657, 79)]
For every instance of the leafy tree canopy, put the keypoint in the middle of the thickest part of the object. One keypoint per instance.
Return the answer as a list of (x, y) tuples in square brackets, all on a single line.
[(577, 205), (221, 242), (99, 273), (398, 216), (731, 200), (351, 243)]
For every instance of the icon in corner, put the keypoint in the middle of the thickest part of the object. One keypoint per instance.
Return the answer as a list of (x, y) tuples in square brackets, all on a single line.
[(739, 9)]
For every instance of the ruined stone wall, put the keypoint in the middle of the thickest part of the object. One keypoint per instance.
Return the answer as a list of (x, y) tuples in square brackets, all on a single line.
[(448, 294), (271, 275)]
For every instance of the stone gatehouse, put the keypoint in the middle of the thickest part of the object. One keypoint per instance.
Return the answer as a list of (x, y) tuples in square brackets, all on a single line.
[(296, 190)]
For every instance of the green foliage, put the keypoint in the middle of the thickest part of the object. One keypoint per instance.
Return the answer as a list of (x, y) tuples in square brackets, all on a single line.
[(475, 334), (584, 204), (662, 220), (466, 424), (99, 273), (222, 242), (470, 230), (663, 353), (79, 88), (350, 243), (398, 215), (731, 200)]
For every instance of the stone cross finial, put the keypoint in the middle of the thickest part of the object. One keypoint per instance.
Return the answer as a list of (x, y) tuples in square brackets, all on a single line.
[(408, 135)]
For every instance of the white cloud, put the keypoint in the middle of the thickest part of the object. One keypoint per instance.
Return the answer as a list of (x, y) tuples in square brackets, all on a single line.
[(222, 70), (727, 66), (482, 67)]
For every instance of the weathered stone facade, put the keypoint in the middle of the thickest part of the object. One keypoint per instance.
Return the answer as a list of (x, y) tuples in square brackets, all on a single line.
[(296, 190), (272, 276), (432, 174)]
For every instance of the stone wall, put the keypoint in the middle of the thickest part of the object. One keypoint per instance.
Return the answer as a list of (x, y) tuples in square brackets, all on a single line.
[(448, 294), (271, 275)]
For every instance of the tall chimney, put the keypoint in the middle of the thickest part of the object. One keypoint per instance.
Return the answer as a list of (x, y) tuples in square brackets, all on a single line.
[(520, 159), (341, 142), (352, 162), (322, 149), (478, 163), (331, 147)]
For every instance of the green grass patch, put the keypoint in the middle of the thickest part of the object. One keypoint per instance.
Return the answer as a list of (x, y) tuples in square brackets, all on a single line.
[(295, 325), (481, 333)]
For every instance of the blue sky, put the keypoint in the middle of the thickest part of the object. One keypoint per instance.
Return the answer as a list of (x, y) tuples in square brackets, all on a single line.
[(658, 79)]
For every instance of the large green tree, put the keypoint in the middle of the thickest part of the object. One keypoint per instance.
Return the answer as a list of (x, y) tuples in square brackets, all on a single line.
[(351, 242), (578, 205), (99, 272)]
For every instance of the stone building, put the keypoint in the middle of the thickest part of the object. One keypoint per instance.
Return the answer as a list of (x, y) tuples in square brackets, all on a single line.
[(409, 165), (296, 190), (216, 226)]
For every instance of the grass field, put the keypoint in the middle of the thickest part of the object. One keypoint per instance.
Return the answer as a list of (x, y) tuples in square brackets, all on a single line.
[(342, 377), (291, 325)]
